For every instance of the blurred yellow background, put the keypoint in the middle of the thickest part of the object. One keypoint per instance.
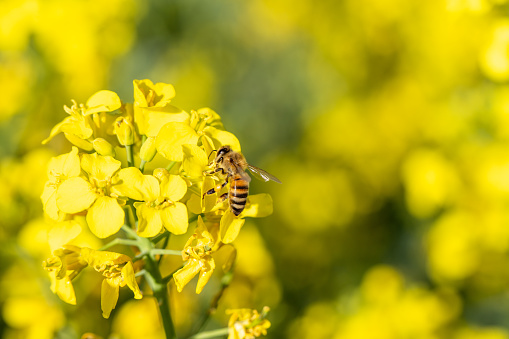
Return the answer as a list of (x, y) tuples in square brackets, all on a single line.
[(386, 121)]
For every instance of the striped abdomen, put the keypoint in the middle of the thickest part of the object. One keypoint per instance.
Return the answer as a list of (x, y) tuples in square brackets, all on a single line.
[(239, 188)]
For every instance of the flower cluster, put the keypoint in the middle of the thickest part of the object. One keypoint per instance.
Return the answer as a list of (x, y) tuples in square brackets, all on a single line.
[(247, 324), (110, 191)]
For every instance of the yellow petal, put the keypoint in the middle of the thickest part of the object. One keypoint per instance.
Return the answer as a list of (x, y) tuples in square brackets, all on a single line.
[(77, 126), (258, 206), (79, 142), (99, 167), (194, 204), (105, 217), (148, 150), (157, 117), (75, 195), (174, 188), (171, 137), (195, 160), (63, 288), (49, 200), (229, 227), (141, 91), (129, 278), (109, 297), (130, 182), (221, 138), (183, 276), (165, 92), (103, 147), (205, 274), (147, 94), (103, 101), (213, 119), (66, 165), (175, 218), (149, 220), (63, 233), (100, 260), (208, 146), (209, 200)]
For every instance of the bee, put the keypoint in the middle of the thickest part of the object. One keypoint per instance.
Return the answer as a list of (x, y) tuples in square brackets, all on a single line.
[(234, 165)]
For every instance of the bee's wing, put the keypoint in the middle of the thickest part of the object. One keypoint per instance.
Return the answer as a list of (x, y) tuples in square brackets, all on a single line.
[(261, 174)]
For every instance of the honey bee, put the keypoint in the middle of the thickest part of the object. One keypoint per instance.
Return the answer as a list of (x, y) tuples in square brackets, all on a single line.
[(234, 165)]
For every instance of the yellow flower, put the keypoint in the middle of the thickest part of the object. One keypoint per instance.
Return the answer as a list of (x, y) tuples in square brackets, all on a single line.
[(245, 323), (65, 263), (79, 126), (197, 252), (95, 194), (63, 266), (172, 136), (124, 130), (118, 272), (59, 169), (152, 109), (160, 194)]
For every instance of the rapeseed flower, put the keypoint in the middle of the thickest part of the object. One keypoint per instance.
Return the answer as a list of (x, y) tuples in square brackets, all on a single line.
[(94, 193), (197, 252), (159, 196), (68, 260), (118, 271), (60, 168), (80, 125), (245, 323), (64, 264), (152, 108)]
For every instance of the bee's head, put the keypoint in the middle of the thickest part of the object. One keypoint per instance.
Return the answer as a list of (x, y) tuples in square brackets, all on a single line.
[(222, 151)]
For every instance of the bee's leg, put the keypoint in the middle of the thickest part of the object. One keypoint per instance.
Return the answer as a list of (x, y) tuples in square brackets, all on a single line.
[(214, 171), (222, 198), (216, 189)]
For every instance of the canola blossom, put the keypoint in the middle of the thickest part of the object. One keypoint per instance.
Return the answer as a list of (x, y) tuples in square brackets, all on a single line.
[(136, 174)]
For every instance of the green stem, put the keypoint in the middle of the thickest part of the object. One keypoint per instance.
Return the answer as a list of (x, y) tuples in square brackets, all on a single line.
[(170, 165), (156, 282), (211, 334), (225, 282), (130, 157), (158, 238), (142, 165), (163, 251), (130, 232), (160, 291), (140, 273), (165, 243), (119, 241)]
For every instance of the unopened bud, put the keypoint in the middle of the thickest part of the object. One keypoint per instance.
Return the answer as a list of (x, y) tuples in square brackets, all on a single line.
[(103, 147), (124, 131), (148, 149), (161, 174), (81, 143)]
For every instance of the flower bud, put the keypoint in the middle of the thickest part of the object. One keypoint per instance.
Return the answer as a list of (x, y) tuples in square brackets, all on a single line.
[(81, 143), (148, 149), (103, 147), (124, 131), (161, 174)]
